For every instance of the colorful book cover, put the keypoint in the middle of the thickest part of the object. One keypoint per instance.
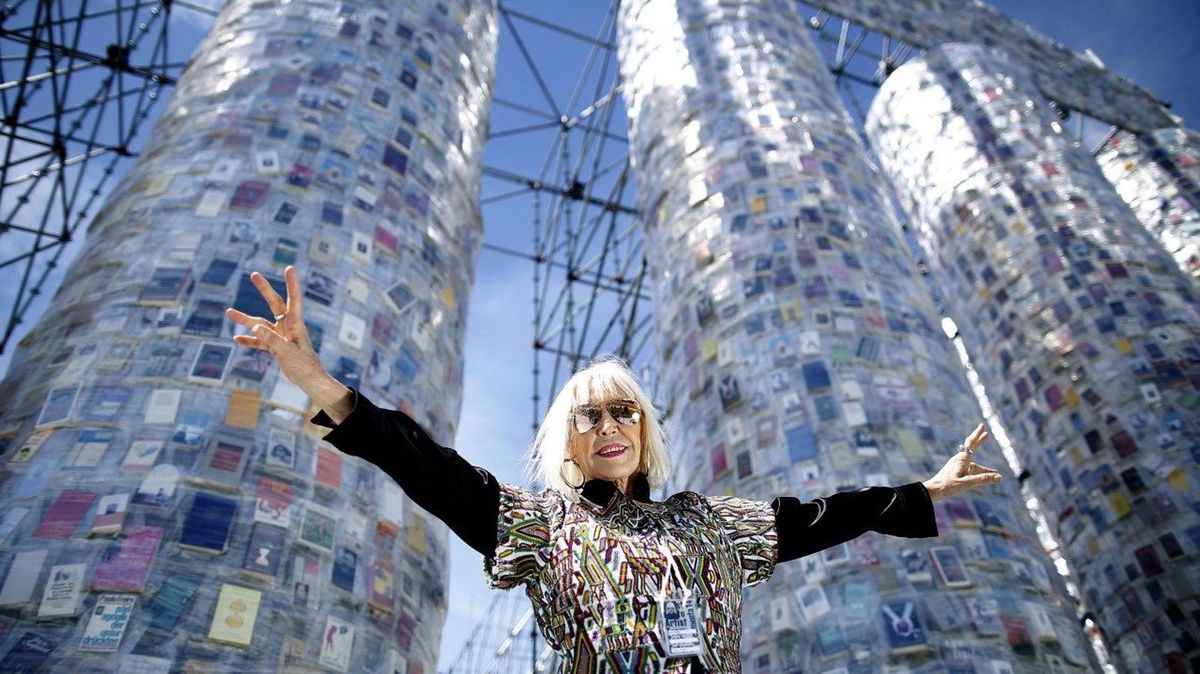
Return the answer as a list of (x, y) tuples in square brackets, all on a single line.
[(65, 514), (233, 619), (336, 644), (22, 577), (141, 456), (345, 565), (89, 448), (107, 623), (222, 465), (243, 408), (902, 624), (158, 487), (950, 569), (306, 580), (281, 452), (317, 528), (61, 595), (264, 551), (26, 450), (110, 515), (329, 468), (125, 564), (208, 523), (383, 584), (28, 654), (960, 512), (171, 601), (273, 504)]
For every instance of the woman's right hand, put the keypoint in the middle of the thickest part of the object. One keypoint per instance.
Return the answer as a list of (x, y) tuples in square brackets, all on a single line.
[(285, 338)]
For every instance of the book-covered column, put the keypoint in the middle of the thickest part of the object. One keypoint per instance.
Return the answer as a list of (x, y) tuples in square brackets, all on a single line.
[(1081, 326), (1158, 175), (166, 504), (801, 354)]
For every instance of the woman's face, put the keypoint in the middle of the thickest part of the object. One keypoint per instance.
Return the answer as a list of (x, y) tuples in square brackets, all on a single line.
[(611, 449)]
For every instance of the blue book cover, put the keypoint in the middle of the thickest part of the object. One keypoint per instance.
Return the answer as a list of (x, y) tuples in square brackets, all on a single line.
[(28, 654), (170, 601), (344, 564), (802, 443), (208, 523)]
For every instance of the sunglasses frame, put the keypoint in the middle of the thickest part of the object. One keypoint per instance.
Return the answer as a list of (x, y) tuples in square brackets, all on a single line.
[(607, 407)]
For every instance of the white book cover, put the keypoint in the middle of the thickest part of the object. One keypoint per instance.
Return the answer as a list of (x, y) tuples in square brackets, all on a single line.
[(288, 396), (141, 456), (162, 406), (813, 600), (336, 642), (352, 330), (391, 502), (61, 595), (22, 577), (109, 618)]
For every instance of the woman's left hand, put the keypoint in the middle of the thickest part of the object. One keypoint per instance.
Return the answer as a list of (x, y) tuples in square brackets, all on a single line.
[(961, 473)]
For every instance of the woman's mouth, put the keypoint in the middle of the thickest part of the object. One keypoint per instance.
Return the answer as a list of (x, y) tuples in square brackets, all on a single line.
[(611, 451)]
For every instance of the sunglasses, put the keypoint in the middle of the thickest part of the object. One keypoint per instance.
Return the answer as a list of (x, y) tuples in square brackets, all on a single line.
[(624, 412)]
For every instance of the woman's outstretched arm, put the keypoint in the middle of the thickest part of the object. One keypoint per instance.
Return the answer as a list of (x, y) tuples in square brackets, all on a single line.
[(466, 498), (805, 527), (436, 478)]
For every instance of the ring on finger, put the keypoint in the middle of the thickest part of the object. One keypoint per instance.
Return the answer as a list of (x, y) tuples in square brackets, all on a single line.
[(280, 317)]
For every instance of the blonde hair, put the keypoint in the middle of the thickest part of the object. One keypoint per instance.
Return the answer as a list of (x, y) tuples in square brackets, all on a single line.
[(604, 378)]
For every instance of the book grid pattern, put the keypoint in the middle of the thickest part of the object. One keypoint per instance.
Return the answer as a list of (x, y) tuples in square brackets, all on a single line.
[(165, 505), (802, 354), (1158, 175), (1081, 326)]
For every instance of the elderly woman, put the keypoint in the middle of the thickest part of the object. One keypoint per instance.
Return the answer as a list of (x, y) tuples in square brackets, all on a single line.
[(619, 582)]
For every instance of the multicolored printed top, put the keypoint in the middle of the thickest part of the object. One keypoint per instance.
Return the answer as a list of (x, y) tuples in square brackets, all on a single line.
[(595, 573)]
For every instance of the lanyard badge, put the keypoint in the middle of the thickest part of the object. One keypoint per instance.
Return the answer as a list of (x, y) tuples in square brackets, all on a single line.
[(680, 615)]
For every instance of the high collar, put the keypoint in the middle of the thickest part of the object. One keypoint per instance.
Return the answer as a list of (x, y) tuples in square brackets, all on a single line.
[(602, 492)]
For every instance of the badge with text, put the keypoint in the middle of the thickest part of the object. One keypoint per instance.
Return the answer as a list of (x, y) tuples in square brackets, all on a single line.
[(681, 627)]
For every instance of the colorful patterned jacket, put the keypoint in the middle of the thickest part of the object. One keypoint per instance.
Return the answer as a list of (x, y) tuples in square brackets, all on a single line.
[(600, 571)]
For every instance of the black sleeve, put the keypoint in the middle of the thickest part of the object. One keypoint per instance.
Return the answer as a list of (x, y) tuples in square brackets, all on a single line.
[(805, 527), (436, 478)]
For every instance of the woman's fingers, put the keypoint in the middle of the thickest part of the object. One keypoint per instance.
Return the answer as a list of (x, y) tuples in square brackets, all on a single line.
[(292, 280), (976, 469), (244, 319), (274, 301)]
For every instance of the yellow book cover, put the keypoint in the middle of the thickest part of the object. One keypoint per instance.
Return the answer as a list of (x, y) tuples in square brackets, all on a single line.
[(244, 405), (233, 619)]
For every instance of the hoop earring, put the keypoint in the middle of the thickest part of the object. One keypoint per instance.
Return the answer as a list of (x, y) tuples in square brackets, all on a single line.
[(583, 478)]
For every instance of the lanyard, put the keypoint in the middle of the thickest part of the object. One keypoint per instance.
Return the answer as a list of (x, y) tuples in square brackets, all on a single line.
[(671, 570)]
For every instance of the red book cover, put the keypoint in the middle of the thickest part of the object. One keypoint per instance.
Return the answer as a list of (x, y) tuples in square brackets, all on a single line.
[(329, 467), (125, 564), (65, 514)]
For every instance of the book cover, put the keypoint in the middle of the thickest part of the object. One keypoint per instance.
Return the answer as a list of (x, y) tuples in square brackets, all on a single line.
[(960, 512), (141, 456), (208, 523), (345, 565), (171, 601), (125, 564), (985, 615), (166, 286), (58, 405), (162, 406), (281, 452), (107, 623), (158, 487), (223, 463), (950, 569), (293, 656), (27, 449), (233, 619), (60, 597), (336, 644), (273, 504), (23, 574), (306, 580), (243, 408), (251, 364), (329, 467), (28, 654), (902, 624), (383, 583), (264, 551), (64, 515), (10, 521), (110, 515), (208, 367), (317, 528), (89, 448)]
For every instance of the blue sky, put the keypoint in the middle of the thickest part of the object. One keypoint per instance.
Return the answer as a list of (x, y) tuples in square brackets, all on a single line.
[(1152, 42)]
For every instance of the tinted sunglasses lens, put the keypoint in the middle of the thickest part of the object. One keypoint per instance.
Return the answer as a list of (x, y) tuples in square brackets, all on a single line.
[(625, 413), (586, 418)]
